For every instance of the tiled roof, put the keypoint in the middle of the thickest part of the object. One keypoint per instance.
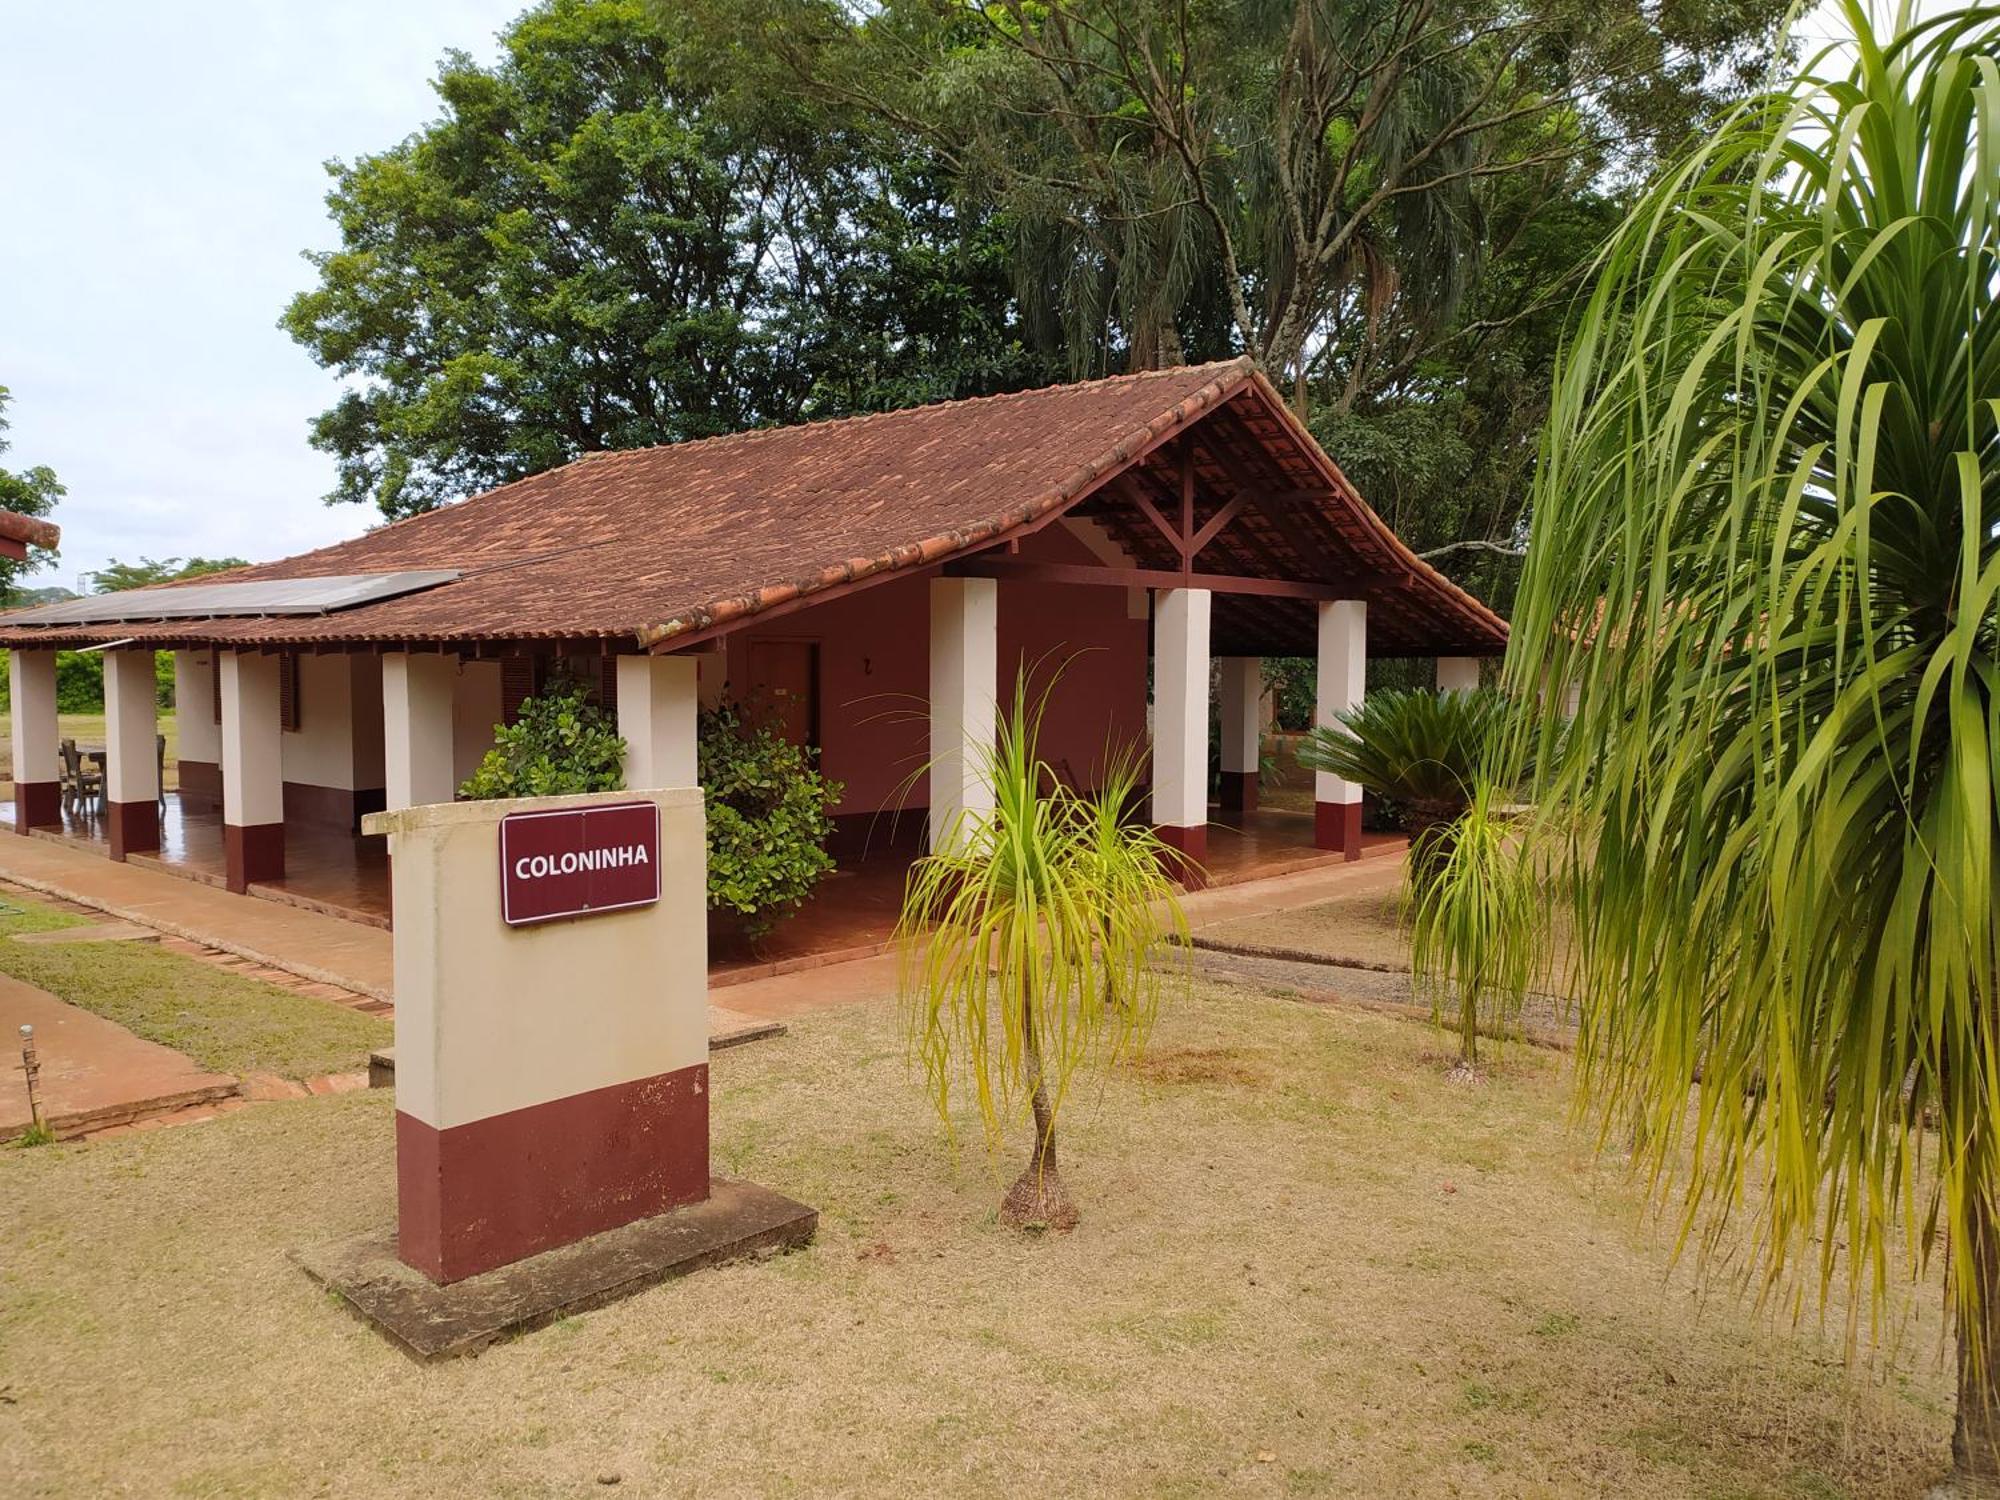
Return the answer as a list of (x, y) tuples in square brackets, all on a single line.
[(649, 544)]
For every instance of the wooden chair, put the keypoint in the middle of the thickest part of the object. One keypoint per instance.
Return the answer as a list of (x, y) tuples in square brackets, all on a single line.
[(81, 786)]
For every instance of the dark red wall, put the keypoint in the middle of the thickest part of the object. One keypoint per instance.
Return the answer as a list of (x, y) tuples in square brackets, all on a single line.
[(874, 674)]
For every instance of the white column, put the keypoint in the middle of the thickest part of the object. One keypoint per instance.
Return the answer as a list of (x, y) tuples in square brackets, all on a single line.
[(417, 723), (1458, 674), (131, 743), (1242, 730), (37, 768), (253, 769), (658, 700), (1343, 663), (1180, 718), (965, 663)]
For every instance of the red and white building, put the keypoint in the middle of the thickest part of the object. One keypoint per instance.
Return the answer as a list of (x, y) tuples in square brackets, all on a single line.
[(874, 583)]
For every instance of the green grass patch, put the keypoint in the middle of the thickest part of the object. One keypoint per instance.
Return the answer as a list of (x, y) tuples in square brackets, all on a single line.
[(226, 1022)]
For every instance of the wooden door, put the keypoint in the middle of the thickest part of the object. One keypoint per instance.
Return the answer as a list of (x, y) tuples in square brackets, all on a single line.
[(784, 677)]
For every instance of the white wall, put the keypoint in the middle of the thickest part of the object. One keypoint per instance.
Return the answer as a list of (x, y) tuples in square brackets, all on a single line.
[(194, 706), (320, 752), (476, 707)]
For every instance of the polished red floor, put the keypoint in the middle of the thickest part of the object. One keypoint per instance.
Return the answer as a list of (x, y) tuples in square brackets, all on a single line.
[(854, 910), (325, 868)]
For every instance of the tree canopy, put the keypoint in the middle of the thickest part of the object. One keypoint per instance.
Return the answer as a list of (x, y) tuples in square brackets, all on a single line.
[(654, 220), (27, 492), (632, 230), (116, 576)]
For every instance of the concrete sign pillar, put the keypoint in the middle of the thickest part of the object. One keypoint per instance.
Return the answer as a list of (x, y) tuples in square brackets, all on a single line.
[(131, 743), (1242, 730), (200, 757), (1458, 674), (37, 767), (551, 1079), (965, 665), (417, 693), (1343, 676), (253, 775), (1180, 719), (658, 703)]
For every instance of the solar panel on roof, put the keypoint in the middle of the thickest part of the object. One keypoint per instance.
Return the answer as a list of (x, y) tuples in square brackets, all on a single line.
[(270, 596)]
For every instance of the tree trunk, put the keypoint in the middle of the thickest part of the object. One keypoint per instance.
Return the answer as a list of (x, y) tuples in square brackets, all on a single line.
[(1468, 1029), (1975, 1437), (1038, 1199)]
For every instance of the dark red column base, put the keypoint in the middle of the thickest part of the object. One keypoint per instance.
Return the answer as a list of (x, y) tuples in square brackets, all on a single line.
[(475, 1196), (1337, 825), (201, 784), (1239, 791), (134, 827), (1192, 845), (37, 804), (252, 854)]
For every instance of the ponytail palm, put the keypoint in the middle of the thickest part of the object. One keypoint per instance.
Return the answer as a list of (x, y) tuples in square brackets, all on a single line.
[(1031, 935), (1764, 547)]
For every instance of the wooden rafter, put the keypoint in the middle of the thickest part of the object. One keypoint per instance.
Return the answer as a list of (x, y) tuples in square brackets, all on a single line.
[(1021, 570)]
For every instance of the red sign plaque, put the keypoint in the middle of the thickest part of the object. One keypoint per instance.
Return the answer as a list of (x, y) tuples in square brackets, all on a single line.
[(578, 861)]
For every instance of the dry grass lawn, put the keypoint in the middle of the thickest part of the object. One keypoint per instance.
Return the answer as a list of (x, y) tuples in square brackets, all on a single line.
[(1308, 1266), (1364, 926)]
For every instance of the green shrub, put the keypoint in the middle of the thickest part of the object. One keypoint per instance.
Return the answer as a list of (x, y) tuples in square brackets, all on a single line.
[(769, 815), (561, 743), (79, 682)]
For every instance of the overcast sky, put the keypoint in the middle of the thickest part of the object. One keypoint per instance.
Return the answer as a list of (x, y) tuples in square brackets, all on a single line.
[(160, 175)]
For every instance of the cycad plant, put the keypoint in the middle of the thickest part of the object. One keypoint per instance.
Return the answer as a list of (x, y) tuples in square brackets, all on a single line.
[(1038, 939), (1764, 548), (1419, 751)]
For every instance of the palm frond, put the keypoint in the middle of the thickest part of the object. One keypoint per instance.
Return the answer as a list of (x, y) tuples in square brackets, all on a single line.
[(1032, 936), (1765, 548)]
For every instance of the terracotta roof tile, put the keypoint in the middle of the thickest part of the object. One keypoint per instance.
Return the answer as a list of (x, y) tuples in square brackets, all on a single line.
[(649, 544)]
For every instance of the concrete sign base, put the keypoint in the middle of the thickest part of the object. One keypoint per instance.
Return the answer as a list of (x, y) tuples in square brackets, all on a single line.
[(736, 1221)]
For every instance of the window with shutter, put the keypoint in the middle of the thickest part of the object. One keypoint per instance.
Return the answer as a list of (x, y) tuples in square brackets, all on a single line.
[(517, 684), (215, 683), (288, 690), (607, 684)]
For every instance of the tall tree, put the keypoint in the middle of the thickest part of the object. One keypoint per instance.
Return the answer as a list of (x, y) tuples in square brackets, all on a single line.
[(633, 230), (27, 492), (1312, 181), (1766, 547)]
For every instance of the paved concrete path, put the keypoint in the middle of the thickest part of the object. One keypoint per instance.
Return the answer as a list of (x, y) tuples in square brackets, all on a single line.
[(94, 1072), (306, 943), (359, 958)]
